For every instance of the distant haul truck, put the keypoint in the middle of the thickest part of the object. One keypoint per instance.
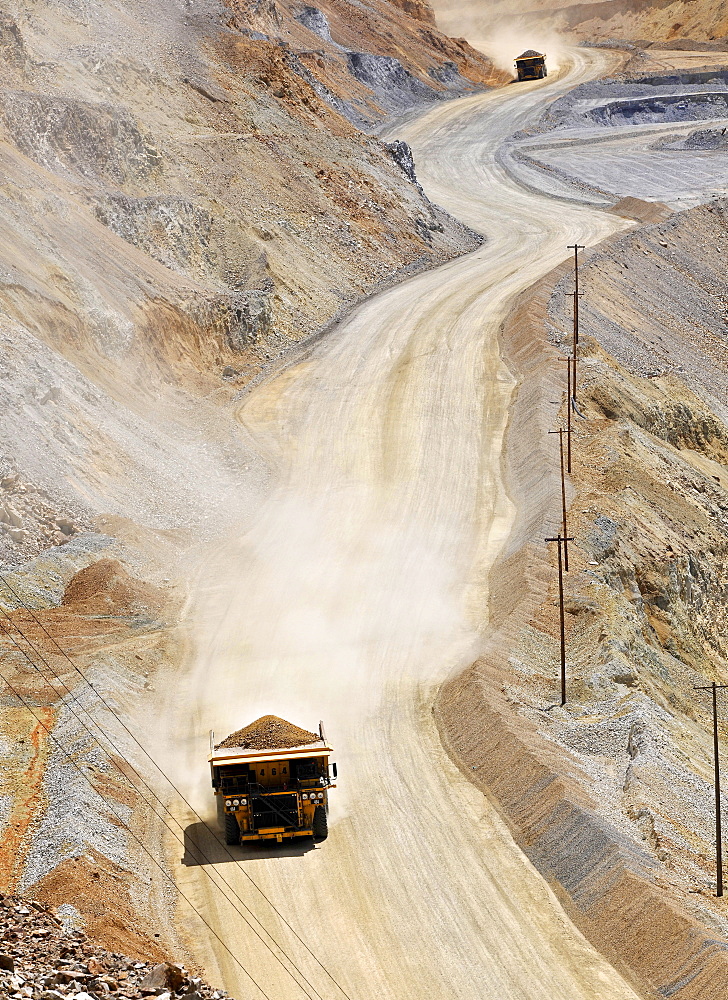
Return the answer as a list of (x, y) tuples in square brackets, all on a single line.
[(272, 781), (531, 65)]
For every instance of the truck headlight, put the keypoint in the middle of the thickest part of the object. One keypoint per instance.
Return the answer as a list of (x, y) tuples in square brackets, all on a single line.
[(243, 802), (305, 797), (320, 795), (236, 802), (228, 803)]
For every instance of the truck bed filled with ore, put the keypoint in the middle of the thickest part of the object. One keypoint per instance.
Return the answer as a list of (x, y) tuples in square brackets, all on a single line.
[(271, 781)]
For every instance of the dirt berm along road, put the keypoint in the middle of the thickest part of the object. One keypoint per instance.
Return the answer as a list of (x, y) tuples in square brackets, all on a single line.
[(359, 582)]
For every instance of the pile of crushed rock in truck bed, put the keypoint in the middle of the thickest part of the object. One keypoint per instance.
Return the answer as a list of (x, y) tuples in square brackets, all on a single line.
[(268, 733), (43, 959)]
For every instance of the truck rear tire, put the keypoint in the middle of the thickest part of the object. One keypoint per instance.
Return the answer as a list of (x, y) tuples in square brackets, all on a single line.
[(320, 824), (232, 830)]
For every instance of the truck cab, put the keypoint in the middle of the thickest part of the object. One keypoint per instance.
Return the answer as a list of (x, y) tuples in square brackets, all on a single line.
[(273, 793)]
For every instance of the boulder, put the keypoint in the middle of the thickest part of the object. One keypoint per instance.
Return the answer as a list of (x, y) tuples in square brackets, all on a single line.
[(67, 976), (316, 21), (7, 962), (10, 516), (401, 153), (165, 976)]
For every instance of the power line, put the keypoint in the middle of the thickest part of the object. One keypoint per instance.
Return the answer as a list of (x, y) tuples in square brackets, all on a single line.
[(198, 850), (88, 781), (172, 785)]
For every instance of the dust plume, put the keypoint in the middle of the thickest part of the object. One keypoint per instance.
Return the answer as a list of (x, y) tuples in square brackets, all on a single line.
[(312, 614), (506, 41), (500, 32)]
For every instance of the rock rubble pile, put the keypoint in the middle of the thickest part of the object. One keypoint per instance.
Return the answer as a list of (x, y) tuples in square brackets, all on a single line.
[(269, 733), (30, 521), (42, 959)]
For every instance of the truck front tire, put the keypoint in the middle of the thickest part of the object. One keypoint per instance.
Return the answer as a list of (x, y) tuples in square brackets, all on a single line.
[(320, 824), (232, 830)]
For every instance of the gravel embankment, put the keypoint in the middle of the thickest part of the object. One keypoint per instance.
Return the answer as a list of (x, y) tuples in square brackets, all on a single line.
[(611, 795), (43, 958)]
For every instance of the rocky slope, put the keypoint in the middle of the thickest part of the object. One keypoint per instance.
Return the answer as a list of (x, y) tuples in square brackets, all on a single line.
[(648, 22), (188, 193), (73, 821), (654, 23), (611, 795)]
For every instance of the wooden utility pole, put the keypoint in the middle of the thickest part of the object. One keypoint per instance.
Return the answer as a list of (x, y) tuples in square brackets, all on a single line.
[(560, 432), (714, 688), (576, 247), (568, 415), (562, 540)]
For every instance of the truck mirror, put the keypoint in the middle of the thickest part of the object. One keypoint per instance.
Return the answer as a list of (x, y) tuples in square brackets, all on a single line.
[(333, 769)]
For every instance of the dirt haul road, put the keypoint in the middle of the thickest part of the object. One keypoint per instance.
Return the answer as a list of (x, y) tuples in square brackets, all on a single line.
[(359, 582)]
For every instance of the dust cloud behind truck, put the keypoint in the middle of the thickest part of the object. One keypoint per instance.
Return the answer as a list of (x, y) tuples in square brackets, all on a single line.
[(531, 65), (272, 781)]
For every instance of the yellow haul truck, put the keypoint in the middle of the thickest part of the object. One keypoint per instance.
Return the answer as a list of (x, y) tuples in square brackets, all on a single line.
[(272, 781), (531, 65)]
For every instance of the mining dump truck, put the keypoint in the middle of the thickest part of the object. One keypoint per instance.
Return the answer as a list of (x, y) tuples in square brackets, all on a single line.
[(272, 781), (531, 65)]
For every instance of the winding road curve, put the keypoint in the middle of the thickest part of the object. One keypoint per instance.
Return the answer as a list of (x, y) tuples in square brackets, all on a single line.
[(361, 582)]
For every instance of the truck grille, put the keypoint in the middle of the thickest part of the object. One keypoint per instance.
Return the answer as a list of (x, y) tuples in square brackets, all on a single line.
[(274, 810)]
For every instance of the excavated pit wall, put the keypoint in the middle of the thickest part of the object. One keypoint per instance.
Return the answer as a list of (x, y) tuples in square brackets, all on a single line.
[(618, 882), (180, 183), (178, 187)]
